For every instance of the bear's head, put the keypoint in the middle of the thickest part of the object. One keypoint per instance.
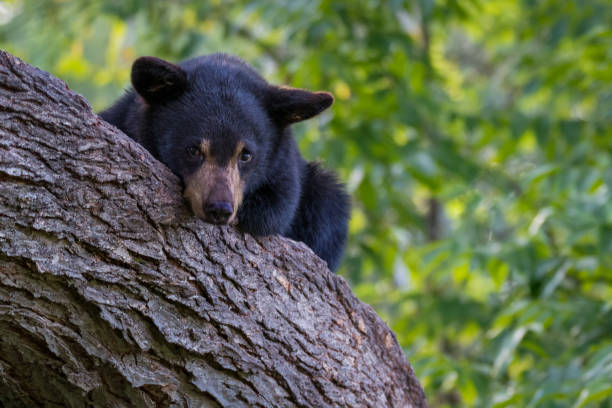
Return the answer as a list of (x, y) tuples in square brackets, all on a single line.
[(217, 124)]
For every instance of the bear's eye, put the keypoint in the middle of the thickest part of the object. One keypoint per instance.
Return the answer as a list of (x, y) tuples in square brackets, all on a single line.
[(245, 156), (193, 151)]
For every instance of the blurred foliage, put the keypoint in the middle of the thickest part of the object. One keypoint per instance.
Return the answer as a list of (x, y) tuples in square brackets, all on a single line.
[(475, 137)]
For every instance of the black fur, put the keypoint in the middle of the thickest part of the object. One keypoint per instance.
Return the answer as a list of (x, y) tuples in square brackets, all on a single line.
[(222, 99)]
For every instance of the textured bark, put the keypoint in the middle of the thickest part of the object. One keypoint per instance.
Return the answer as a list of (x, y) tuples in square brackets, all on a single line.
[(113, 295)]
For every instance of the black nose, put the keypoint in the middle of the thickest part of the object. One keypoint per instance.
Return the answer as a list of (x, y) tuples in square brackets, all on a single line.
[(218, 212)]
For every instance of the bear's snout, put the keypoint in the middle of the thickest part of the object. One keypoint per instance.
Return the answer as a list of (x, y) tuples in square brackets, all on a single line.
[(218, 212), (215, 192)]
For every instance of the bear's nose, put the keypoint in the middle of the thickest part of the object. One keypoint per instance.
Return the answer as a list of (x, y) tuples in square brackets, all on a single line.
[(218, 212)]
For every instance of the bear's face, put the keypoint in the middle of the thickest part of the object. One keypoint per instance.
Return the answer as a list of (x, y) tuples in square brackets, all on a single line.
[(218, 146), (215, 122)]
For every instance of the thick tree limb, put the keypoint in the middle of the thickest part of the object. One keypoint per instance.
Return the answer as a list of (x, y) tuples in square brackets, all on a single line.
[(113, 295)]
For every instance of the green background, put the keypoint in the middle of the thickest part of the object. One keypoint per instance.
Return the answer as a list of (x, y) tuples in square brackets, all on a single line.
[(475, 138)]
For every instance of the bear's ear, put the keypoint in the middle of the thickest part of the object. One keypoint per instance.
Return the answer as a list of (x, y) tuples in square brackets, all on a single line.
[(157, 80), (290, 105)]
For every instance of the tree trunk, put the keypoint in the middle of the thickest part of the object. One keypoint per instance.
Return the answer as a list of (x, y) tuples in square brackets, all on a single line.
[(113, 295)]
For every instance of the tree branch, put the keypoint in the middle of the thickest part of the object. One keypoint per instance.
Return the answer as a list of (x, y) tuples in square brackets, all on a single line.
[(113, 294)]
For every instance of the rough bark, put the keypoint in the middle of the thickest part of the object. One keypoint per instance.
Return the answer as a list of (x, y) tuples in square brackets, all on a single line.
[(113, 295)]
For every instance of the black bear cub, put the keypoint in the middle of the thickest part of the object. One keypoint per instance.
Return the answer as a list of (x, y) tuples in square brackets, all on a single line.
[(225, 131)]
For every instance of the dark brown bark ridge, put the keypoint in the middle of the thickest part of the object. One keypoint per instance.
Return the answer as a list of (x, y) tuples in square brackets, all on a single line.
[(113, 295)]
